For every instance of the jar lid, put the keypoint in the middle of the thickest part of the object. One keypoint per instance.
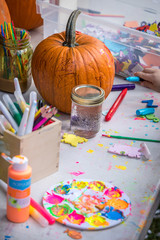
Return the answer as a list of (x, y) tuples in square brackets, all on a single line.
[(87, 94)]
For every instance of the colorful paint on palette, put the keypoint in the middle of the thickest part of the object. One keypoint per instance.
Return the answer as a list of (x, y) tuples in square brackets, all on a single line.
[(87, 204)]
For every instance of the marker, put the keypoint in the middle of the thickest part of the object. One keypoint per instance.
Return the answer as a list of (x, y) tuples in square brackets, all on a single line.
[(133, 79), (120, 87), (20, 100), (42, 211), (38, 217), (116, 105), (11, 107), (8, 116), (31, 117), (130, 138), (145, 111), (32, 97), (6, 124), (22, 127)]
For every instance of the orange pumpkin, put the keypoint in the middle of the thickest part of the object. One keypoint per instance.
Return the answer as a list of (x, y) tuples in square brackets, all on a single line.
[(24, 14), (4, 12), (67, 59)]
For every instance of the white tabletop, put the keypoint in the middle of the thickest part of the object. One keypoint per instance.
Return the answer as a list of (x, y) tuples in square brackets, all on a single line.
[(140, 180)]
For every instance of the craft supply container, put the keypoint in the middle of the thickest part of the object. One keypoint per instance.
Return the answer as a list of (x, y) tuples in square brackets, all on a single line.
[(15, 61), (132, 49), (41, 147), (86, 110)]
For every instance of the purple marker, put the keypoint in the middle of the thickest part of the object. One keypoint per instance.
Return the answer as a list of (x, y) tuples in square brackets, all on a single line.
[(120, 87)]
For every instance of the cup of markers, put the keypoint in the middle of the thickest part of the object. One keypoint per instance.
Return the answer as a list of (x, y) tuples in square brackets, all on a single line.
[(15, 57)]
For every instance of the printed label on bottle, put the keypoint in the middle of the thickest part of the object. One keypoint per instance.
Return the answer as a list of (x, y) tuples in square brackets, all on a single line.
[(19, 184), (18, 203)]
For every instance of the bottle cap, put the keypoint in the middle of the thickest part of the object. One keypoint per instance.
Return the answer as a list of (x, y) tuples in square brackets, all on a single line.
[(19, 163)]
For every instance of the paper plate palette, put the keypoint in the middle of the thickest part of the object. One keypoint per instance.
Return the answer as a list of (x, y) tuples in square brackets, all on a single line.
[(87, 204)]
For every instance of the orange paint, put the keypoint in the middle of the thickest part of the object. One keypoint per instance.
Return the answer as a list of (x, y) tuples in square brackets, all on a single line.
[(117, 203)]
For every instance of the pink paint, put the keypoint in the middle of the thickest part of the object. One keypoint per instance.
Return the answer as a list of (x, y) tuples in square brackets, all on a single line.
[(109, 167), (76, 218), (53, 198), (139, 118), (76, 173), (113, 192)]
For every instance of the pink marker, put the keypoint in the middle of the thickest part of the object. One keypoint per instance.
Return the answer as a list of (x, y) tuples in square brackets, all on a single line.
[(42, 211)]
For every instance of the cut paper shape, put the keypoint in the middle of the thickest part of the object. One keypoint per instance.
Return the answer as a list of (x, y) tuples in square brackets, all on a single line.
[(88, 204), (152, 117), (133, 152), (72, 139), (131, 24), (149, 103)]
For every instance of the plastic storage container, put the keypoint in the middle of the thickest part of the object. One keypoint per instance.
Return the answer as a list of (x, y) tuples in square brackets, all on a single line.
[(132, 50)]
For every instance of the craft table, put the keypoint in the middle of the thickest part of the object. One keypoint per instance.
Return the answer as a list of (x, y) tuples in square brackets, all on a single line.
[(139, 179)]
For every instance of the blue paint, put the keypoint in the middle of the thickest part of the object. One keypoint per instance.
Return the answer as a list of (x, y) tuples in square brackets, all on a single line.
[(112, 214), (27, 226), (7, 237)]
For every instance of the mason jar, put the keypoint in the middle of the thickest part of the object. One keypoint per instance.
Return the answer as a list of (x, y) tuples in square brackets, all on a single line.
[(15, 61), (86, 110)]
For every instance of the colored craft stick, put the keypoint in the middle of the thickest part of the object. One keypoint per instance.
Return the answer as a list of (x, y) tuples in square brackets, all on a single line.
[(6, 30), (38, 217), (120, 87), (13, 29), (10, 32), (131, 138), (115, 105), (2, 32), (42, 211)]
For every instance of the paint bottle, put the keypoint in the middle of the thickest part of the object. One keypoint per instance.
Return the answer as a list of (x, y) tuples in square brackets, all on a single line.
[(19, 187), (86, 110)]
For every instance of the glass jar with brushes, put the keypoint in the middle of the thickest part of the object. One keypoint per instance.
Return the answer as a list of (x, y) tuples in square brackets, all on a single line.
[(15, 58)]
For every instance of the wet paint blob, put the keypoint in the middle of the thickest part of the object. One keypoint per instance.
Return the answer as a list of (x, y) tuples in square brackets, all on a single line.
[(63, 189), (76, 218), (113, 192), (79, 184), (60, 210), (97, 221), (53, 198), (111, 213), (97, 186), (117, 203)]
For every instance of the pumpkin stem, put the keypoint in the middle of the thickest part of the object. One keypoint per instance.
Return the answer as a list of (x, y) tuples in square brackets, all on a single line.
[(70, 30)]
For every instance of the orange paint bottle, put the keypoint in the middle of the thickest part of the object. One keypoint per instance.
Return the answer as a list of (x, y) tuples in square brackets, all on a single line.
[(19, 187)]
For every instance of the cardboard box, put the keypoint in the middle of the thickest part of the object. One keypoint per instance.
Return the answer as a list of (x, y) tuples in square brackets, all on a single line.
[(41, 147)]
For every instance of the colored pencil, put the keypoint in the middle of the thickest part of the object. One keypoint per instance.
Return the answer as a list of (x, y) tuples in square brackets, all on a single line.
[(131, 138)]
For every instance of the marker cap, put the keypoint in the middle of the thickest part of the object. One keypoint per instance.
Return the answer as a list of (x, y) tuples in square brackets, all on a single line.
[(145, 111)]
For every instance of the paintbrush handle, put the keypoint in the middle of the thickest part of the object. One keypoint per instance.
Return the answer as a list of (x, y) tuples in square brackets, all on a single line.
[(131, 138)]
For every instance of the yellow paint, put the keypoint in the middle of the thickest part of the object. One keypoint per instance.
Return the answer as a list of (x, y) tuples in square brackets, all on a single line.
[(100, 145), (121, 167), (72, 139), (114, 156), (97, 221), (90, 151), (142, 211), (126, 162)]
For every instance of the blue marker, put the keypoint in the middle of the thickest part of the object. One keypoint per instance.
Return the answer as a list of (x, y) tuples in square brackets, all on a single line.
[(145, 111), (133, 79)]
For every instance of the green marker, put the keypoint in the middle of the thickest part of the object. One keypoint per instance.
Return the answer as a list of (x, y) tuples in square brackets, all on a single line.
[(12, 109)]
